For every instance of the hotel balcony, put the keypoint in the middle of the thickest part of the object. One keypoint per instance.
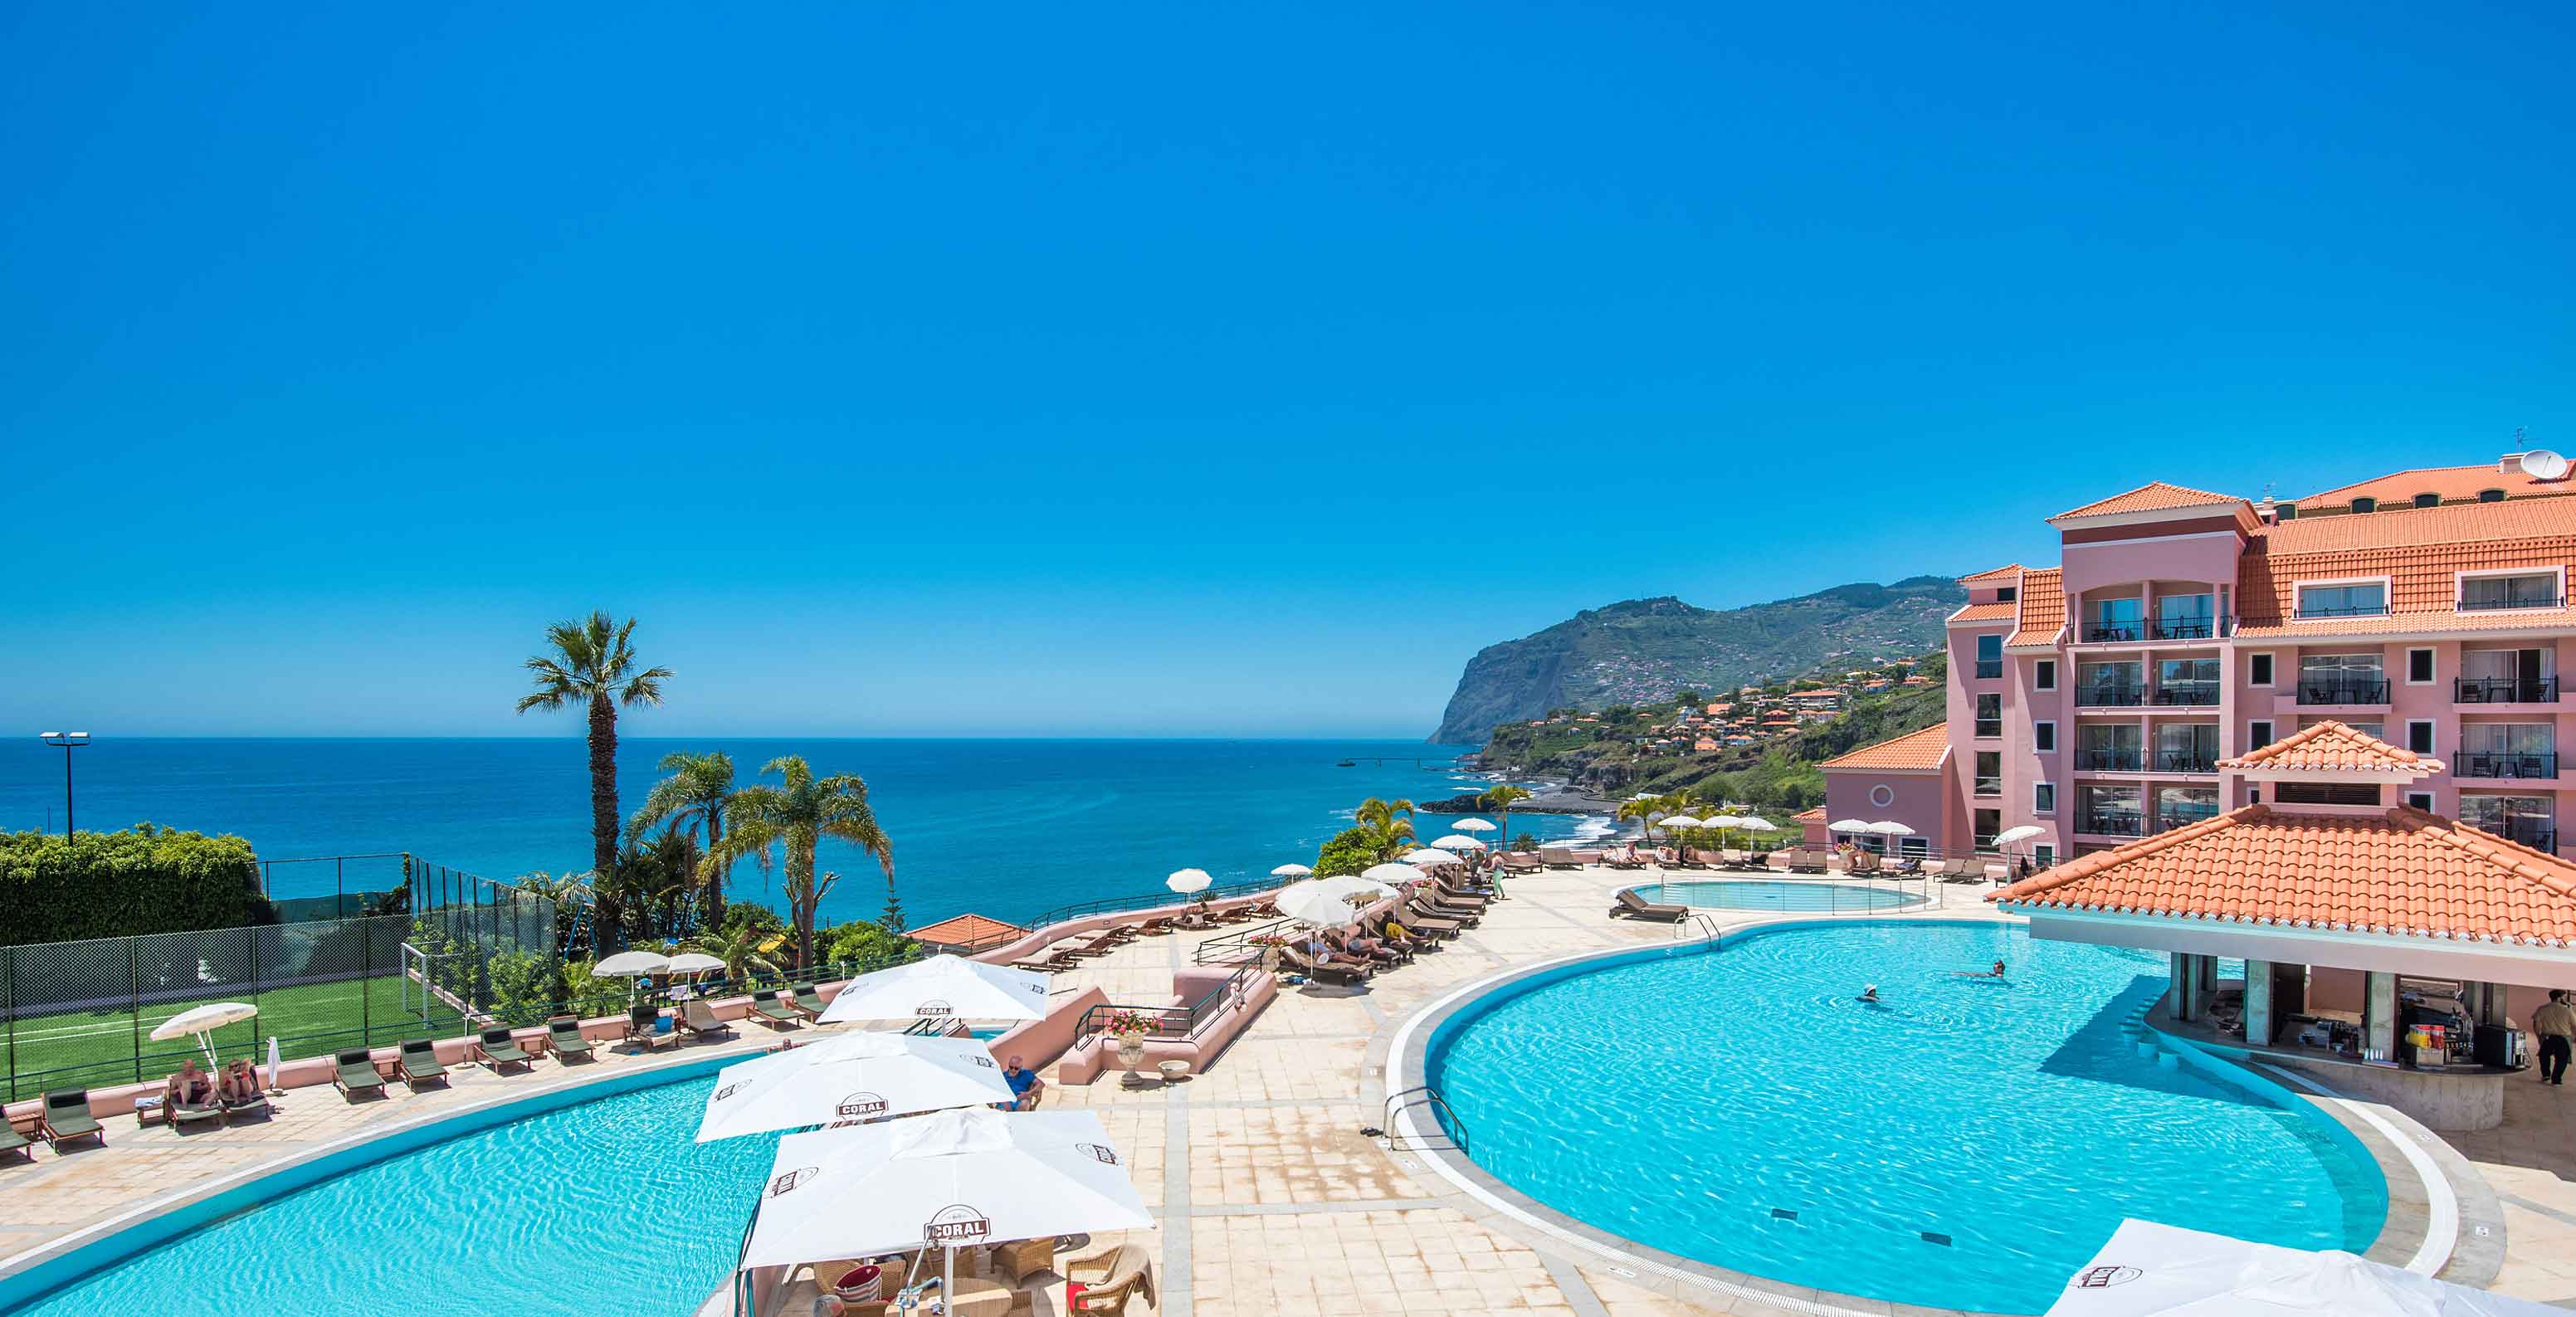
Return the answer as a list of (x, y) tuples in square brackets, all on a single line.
[(2169, 819), (2193, 694), (2343, 692), (2105, 695), (2162, 628), (2505, 690), (1989, 669), (2550, 600), (2110, 825), (2186, 761), (2106, 761), (2505, 765), (2538, 834)]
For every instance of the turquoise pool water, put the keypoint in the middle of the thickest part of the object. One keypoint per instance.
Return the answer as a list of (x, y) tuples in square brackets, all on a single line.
[(604, 1207), (1740, 1107), (1758, 894)]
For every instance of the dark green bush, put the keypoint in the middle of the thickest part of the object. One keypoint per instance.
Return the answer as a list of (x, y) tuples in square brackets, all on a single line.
[(146, 879)]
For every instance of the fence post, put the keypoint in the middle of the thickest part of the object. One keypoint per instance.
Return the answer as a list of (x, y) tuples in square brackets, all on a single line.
[(366, 982), (339, 887), (9, 957), (134, 999), (252, 934)]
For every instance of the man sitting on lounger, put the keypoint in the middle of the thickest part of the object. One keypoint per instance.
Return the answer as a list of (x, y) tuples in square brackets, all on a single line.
[(1024, 1082), (1361, 945), (190, 1087), (1323, 954)]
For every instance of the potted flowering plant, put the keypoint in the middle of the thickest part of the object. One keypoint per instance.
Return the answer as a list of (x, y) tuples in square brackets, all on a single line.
[(1269, 944), (1129, 1028)]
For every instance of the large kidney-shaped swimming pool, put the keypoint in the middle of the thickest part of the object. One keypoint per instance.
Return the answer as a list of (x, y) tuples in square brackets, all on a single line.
[(1963, 1143)]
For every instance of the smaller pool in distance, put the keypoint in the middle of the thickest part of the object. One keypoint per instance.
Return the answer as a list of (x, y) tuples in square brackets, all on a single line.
[(1791, 895)]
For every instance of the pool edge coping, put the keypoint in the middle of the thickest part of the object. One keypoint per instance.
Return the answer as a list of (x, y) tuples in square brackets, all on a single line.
[(1494, 1201), (61, 1250)]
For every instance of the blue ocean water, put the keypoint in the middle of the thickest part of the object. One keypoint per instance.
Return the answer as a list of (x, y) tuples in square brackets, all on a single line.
[(1007, 828)]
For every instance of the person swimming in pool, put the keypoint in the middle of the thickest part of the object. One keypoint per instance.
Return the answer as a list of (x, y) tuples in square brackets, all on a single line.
[(1869, 993), (1995, 973)]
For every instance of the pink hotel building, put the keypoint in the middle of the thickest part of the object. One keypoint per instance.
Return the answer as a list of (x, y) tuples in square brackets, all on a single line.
[(2096, 700)]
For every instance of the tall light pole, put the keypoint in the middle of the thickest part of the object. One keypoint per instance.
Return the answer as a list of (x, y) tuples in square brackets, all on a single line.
[(68, 741)]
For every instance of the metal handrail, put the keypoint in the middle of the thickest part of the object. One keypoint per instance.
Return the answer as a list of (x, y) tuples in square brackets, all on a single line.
[(2505, 690), (1170, 1021), (2105, 695), (1224, 948), (2343, 692), (1148, 901), (1443, 1118), (2506, 765)]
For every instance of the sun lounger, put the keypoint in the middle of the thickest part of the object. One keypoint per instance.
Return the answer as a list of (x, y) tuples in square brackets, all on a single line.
[(1862, 862), (498, 1049), (416, 1062), (1121, 1274), (181, 1115), (354, 1072), (1521, 862), (11, 1140), (1558, 857), (1907, 866), (1417, 915), (1342, 974), (771, 1011), (64, 1118), (1447, 895), (1157, 927), (1807, 859), (644, 1025), (1622, 859), (1050, 964), (1443, 910), (563, 1034), (254, 1105), (809, 1001), (1638, 907), (699, 1019)]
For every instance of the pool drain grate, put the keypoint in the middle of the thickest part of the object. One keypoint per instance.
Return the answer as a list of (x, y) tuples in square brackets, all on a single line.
[(1933, 1237), (1783, 1214)]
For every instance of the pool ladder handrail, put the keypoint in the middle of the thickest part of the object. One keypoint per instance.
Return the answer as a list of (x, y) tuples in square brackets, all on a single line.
[(1452, 1129), (1708, 929)]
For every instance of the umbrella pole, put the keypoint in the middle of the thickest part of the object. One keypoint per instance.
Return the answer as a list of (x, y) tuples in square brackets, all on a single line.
[(948, 1282)]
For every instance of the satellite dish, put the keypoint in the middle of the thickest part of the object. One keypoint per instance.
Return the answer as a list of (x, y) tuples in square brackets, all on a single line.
[(2542, 464)]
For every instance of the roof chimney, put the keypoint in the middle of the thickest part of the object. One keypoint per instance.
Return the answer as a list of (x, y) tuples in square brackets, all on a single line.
[(2510, 464)]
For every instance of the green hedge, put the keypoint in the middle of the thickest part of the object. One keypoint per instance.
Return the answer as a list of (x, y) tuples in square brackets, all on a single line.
[(119, 884)]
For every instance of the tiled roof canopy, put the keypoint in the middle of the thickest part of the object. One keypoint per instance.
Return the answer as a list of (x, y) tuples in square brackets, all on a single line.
[(2448, 482), (967, 931), (2043, 610), (2003, 573), (2153, 496), (1914, 750), (1986, 613), (2404, 873), (1816, 815), (2332, 747), (2421, 550)]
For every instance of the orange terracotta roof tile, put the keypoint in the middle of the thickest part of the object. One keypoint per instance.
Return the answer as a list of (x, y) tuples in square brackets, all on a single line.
[(2401, 873), (1914, 750), (2153, 496), (2450, 482), (2331, 746), (2003, 573), (1987, 613), (1816, 815), (967, 931), (2043, 610), (2421, 550)]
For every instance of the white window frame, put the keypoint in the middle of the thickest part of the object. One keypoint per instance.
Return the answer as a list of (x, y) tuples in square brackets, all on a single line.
[(2271, 733), (2433, 661), (2460, 580), (2432, 733), (2387, 598), (2051, 807), (2047, 665), (2035, 746), (2270, 660), (2044, 855), (2422, 800)]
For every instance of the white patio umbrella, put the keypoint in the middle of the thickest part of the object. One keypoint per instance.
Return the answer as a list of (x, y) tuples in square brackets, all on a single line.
[(1470, 825), (948, 1180), (1189, 881), (1722, 822), (2018, 832), (851, 1076), (1326, 902), (692, 962), (203, 1021), (1430, 855), (630, 966), (1891, 828), (1393, 875), (1291, 871), (1758, 823), (1460, 844), (2151, 1270), (1848, 825), (942, 987)]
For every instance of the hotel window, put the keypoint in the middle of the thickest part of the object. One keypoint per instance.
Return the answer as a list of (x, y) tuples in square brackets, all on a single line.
[(2043, 675), (2187, 682), (2178, 807), (2526, 819), (2506, 676), (1990, 715), (2286, 512), (1990, 656), (2107, 747), (2186, 617), (2419, 667), (2419, 735), (2428, 500), (2043, 797), (2043, 737), (2008, 594), (2521, 590), (2491, 496), (1990, 773), (2326, 793), (2110, 683), (2376, 728), (2258, 669), (2258, 734), (2116, 619), (2365, 505), (2044, 855), (2507, 750), (2110, 811), (2187, 748), (2362, 599), (2342, 679), (2422, 800), (1983, 825)]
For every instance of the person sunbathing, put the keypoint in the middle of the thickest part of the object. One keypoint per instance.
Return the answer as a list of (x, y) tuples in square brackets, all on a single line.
[(190, 1087), (1322, 953), (1362, 946), (240, 1083), (1396, 935)]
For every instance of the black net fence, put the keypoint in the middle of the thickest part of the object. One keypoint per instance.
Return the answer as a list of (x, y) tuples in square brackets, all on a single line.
[(456, 952)]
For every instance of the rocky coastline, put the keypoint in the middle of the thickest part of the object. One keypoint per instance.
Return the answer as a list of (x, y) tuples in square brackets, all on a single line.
[(1545, 798)]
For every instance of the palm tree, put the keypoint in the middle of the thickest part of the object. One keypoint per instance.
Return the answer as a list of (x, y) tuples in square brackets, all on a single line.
[(593, 663), (795, 816), (692, 797), (1497, 801), (738, 949), (1645, 809), (1389, 824)]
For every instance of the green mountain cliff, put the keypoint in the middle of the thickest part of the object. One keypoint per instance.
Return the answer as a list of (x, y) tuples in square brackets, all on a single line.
[(1645, 650)]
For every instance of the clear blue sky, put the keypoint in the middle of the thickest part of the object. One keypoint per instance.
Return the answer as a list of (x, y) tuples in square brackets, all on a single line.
[(1078, 369)]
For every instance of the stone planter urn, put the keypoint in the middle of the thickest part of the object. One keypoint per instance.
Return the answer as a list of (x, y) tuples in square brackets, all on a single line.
[(1131, 1048)]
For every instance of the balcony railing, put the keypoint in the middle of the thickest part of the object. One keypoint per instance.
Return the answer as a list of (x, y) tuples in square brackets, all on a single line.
[(2186, 761), (2343, 610), (2112, 633), (2109, 825), (2195, 693), (2550, 600), (2506, 690), (2343, 692), (2506, 765), (2169, 819), (2106, 693), (2538, 834), (2107, 761), (2192, 628), (1989, 786)]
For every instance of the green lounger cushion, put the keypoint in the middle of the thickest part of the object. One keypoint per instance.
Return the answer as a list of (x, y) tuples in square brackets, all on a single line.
[(183, 1114), (768, 1004), (257, 1106), (67, 1116), (565, 1034), (13, 1141), (418, 1058), (808, 1000), (500, 1049), (357, 1071)]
